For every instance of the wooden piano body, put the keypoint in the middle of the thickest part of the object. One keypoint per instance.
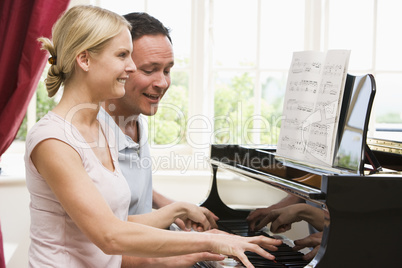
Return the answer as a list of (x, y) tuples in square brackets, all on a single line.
[(363, 198)]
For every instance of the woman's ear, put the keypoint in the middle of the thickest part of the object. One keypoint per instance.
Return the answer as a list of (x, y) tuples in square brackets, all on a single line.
[(83, 60)]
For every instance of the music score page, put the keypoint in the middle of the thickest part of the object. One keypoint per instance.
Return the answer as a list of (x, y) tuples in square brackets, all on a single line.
[(312, 105)]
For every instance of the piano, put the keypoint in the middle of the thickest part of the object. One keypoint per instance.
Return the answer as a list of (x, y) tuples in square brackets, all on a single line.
[(362, 191)]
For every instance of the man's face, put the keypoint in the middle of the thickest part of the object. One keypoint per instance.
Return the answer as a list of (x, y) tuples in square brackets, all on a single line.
[(153, 56)]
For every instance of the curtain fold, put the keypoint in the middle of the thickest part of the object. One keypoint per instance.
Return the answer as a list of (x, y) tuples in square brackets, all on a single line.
[(22, 61)]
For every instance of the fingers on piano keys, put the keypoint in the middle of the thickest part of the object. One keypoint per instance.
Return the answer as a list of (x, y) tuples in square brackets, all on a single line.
[(285, 257)]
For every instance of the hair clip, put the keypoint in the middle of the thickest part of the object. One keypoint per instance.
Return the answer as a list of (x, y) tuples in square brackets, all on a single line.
[(52, 60)]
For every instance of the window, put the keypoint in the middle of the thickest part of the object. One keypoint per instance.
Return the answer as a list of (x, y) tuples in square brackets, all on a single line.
[(249, 79), (232, 59)]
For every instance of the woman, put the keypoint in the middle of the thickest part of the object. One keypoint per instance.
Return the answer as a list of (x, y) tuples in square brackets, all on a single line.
[(79, 198)]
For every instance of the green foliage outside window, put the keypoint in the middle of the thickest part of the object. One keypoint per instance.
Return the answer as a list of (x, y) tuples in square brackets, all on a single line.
[(390, 118), (234, 113)]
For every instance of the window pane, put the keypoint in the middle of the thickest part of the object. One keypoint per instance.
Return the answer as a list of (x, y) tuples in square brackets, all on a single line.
[(234, 107), (235, 32), (179, 21), (123, 7), (273, 86), (282, 32), (387, 105), (388, 44), (350, 27)]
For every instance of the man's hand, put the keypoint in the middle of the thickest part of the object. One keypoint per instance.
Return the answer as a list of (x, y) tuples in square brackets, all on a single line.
[(255, 217), (311, 241), (194, 219), (281, 219)]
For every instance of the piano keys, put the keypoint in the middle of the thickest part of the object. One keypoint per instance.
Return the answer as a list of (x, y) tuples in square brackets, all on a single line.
[(284, 256)]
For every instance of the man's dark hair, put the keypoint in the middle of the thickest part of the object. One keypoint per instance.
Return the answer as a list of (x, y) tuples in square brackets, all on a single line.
[(144, 24)]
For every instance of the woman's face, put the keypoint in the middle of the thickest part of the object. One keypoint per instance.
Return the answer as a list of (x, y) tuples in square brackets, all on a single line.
[(109, 70)]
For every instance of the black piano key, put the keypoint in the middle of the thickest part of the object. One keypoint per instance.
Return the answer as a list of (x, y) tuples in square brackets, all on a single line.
[(285, 256), (259, 261), (268, 265), (286, 253), (297, 264), (201, 265), (284, 248), (288, 258)]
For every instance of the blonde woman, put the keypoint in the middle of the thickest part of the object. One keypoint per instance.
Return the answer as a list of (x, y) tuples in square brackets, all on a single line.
[(79, 197)]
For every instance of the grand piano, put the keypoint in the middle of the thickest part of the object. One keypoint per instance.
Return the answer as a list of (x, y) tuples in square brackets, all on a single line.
[(361, 191)]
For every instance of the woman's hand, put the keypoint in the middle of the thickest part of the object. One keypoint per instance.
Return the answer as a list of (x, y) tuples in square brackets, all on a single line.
[(235, 246)]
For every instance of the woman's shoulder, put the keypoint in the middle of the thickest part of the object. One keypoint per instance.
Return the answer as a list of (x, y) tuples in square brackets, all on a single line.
[(51, 126)]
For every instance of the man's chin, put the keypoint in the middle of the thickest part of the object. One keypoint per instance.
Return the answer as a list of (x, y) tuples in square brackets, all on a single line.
[(150, 112)]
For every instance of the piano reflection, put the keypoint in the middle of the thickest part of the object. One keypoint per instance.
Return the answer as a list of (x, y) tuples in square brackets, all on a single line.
[(361, 192)]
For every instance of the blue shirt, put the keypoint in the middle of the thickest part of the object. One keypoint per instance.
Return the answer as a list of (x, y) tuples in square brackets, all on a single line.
[(135, 163)]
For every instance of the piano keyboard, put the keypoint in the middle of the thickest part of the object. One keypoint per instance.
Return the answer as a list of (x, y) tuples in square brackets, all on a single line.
[(285, 257)]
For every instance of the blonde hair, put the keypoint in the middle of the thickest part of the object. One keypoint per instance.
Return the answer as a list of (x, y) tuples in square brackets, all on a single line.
[(80, 28)]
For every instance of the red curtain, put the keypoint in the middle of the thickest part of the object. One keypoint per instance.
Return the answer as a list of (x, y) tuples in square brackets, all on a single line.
[(21, 60)]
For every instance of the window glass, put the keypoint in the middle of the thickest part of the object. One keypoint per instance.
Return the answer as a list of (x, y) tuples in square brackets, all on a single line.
[(123, 6), (233, 106), (273, 85), (388, 44), (234, 32), (387, 108), (179, 22), (282, 32), (350, 27)]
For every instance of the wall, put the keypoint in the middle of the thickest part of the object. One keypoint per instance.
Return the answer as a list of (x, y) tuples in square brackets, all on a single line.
[(14, 207)]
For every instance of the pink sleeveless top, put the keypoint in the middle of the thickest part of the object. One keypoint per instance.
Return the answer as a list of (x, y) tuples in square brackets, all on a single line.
[(55, 239)]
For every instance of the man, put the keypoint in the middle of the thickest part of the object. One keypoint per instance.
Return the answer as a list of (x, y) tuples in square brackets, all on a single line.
[(153, 57)]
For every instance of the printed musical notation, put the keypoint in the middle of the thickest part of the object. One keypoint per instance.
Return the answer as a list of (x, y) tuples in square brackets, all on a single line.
[(304, 86), (312, 105), (302, 66)]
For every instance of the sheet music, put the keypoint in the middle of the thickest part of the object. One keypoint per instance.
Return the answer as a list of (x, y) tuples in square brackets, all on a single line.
[(312, 105)]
